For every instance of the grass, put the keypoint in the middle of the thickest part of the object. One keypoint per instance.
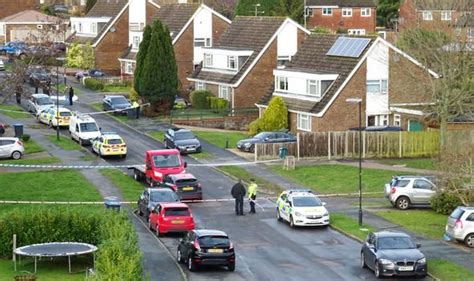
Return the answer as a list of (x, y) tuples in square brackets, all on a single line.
[(219, 139), (20, 114), (243, 174), (129, 188), (120, 118), (157, 135), (202, 155), (64, 143), (88, 157), (116, 89), (32, 161), (336, 178), (32, 146), (56, 185), (349, 225), (446, 270), (420, 163), (423, 222)]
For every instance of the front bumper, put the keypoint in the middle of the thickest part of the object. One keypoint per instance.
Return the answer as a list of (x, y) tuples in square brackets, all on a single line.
[(390, 270), (305, 221), (186, 149), (243, 147)]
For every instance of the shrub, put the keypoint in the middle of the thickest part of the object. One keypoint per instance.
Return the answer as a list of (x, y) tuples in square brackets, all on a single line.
[(274, 118), (25, 137), (93, 84), (133, 95), (444, 203), (199, 99), (218, 103), (255, 127)]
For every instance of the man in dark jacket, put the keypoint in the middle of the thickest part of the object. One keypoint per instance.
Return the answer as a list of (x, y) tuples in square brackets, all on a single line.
[(238, 192), (71, 95)]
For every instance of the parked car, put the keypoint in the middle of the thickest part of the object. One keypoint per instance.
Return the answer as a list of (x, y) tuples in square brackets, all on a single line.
[(460, 226), (206, 247), (116, 102), (301, 208), (83, 129), (2, 65), (265, 137), (152, 196), (36, 51), (10, 48), (180, 103), (89, 73), (186, 186), (392, 254), (39, 76), (183, 140), (11, 148), (171, 217), (51, 117), (37, 102), (109, 144), (406, 191), (60, 8)]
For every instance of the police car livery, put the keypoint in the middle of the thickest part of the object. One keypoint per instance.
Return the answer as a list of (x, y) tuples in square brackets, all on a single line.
[(51, 117), (301, 208), (108, 144)]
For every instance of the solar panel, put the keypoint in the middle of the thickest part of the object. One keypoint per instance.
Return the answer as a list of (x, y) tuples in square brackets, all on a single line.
[(348, 47)]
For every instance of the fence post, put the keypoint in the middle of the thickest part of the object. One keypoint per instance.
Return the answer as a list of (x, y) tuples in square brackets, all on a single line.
[(298, 146), (400, 145), (329, 145), (255, 152), (363, 144)]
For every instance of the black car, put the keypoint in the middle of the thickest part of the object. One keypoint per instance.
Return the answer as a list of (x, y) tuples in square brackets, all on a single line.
[(392, 254), (206, 247), (265, 137), (118, 103), (183, 140), (152, 196), (90, 73), (39, 76), (186, 186)]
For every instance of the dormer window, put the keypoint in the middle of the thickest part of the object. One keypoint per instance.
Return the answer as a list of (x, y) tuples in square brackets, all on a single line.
[(232, 62), (94, 27), (281, 83), (207, 60), (312, 87)]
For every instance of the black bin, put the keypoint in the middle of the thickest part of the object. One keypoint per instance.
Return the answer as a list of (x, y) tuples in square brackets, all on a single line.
[(18, 130), (131, 113)]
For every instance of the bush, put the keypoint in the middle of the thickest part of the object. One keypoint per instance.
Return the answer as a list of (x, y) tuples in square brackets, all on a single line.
[(133, 95), (94, 84), (444, 203), (255, 127), (25, 137), (218, 103), (199, 99), (274, 118)]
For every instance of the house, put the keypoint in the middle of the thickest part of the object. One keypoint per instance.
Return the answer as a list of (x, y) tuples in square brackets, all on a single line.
[(9, 7), (239, 67), (192, 27), (33, 27), (357, 17), (465, 28), (329, 69)]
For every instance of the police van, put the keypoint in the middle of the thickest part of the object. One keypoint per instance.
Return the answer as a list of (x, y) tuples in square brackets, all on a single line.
[(301, 208), (83, 129)]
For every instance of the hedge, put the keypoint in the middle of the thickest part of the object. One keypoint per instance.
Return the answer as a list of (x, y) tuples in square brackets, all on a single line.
[(218, 103), (444, 203), (93, 84), (199, 99)]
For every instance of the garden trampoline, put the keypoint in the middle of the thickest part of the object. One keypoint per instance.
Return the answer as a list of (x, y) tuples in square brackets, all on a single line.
[(55, 249)]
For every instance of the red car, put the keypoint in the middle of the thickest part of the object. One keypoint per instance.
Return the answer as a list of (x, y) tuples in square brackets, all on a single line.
[(171, 217)]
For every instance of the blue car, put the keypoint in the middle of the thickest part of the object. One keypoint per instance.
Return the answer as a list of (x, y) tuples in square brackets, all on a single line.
[(12, 48)]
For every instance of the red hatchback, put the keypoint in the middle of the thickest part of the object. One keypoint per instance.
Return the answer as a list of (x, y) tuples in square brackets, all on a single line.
[(171, 217)]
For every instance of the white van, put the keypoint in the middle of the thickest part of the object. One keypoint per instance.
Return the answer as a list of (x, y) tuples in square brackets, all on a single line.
[(83, 129)]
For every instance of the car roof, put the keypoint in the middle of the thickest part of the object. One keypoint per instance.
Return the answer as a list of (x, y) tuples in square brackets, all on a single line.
[(159, 189), (391, 234), (174, 205), (208, 232), (111, 136), (114, 96), (84, 118), (162, 152), (40, 96), (182, 176), (299, 192), (466, 208)]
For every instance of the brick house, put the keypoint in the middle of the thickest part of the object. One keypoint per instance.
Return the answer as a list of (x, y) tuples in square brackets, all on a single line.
[(329, 69), (32, 27), (9, 7), (239, 67), (356, 17)]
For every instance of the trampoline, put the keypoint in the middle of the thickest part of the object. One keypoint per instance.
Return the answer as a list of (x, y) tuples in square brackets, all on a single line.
[(55, 249)]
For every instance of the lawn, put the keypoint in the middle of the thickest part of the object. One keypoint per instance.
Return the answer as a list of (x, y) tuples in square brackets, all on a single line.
[(116, 89), (120, 118), (336, 178), (349, 225), (219, 138), (88, 157), (32, 161), (446, 270), (418, 163), (20, 114), (243, 174), (64, 142), (57, 185), (423, 222), (32, 146), (202, 155), (129, 188), (157, 135)]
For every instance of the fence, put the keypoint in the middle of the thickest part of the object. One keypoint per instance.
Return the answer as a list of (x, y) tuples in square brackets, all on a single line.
[(374, 144), (200, 114)]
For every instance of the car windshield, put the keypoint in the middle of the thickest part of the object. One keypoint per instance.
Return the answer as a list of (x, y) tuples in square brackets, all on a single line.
[(163, 196), (184, 136), (115, 141), (119, 100), (44, 101), (65, 114), (261, 136), (395, 243), (306, 201), (211, 241), (177, 212), (88, 127), (166, 161)]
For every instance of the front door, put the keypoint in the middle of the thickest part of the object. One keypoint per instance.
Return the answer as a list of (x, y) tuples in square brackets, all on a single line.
[(415, 126)]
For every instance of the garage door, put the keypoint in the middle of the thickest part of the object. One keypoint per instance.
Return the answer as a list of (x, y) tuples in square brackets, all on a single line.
[(415, 126)]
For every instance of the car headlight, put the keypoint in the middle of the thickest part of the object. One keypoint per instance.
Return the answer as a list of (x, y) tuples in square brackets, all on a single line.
[(247, 144), (298, 214), (181, 146), (326, 214), (422, 260), (385, 262)]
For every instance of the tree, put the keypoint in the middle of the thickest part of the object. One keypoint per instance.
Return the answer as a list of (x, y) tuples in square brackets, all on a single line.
[(143, 48), (89, 5), (274, 118), (387, 10), (290, 8), (80, 55)]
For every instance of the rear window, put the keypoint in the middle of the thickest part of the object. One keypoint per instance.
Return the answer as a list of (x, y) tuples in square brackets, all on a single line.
[(214, 241), (114, 141), (163, 196), (65, 113), (456, 214), (181, 212), (186, 181), (400, 183)]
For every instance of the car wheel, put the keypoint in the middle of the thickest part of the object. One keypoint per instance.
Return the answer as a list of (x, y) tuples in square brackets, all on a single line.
[(252, 148), (16, 155), (38, 118), (124, 156), (147, 216), (191, 265), (136, 176), (292, 223), (469, 240), (402, 203), (157, 231), (278, 215), (377, 270), (179, 258), (362, 261), (81, 142), (231, 267)]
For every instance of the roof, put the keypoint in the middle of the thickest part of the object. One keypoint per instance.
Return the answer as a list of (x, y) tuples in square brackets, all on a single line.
[(465, 21), (245, 33), (106, 8), (207, 232), (391, 234), (175, 16), (460, 5), (30, 16), (341, 3), (129, 54)]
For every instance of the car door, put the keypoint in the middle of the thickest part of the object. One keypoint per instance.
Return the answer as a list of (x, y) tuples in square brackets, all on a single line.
[(370, 251), (2, 148), (422, 191), (155, 216)]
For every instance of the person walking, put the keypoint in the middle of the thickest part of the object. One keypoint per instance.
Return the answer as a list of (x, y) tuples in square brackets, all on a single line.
[(252, 195), (238, 192), (71, 95)]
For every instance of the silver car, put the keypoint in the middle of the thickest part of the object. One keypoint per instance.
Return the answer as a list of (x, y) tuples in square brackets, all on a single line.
[(11, 147), (406, 191), (37, 102), (460, 225)]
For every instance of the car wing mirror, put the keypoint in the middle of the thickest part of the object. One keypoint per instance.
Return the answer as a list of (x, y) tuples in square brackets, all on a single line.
[(418, 246), (324, 203)]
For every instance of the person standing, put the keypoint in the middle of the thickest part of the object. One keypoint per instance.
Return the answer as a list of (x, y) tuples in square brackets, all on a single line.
[(137, 109), (71, 95), (238, 192), (252, 195)]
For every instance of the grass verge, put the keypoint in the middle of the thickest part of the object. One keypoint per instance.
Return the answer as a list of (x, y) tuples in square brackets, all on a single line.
[(116, 89), (157, 135), (129, 188), (120, 118), (419, 163), (88, 157), (347, 224), (202, 155), (32, 161), (219, 139), (32, 146), (19, 114), (243, 174), (64, 143), (446, 270)]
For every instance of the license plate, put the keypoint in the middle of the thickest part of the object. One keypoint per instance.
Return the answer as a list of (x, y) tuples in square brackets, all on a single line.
[(177, 222), (405, 268), (187, 188), (215, 251)]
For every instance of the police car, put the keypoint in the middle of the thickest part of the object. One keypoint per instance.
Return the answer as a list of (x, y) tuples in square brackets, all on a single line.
[(51, 117), (108, 144), (301, 208)]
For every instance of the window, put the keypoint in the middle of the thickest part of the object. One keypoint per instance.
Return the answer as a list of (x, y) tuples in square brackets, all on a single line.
[(200, 86), (207, 60), (94, 27), (136, 26), (470, 33), (383, 120), (232, 62), (283, 60), (2, 29), (347, 12), (427, 15), (356, 31), (224, 92), (397, 120), (129, 67), (136, 42), (202, 42), (470, 218), (304, 122), (365, 12), (281, 83), (309, 12), (377, 86), (422, 184), (327, 11), (79, 29), (446, 15), (312, 87)]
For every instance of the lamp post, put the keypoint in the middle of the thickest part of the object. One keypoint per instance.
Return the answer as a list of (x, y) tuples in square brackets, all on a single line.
[(359, 102), (59, 59)]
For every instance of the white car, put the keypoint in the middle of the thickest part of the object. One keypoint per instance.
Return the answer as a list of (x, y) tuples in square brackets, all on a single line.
[(109, 144), (53, 119), (83, 129), (38, 102), (11, 148), (460, 225), (301, 208), (2, 65)]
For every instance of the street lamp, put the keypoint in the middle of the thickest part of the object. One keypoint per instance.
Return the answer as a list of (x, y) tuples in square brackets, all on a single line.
[(359, 102), (59, 59)]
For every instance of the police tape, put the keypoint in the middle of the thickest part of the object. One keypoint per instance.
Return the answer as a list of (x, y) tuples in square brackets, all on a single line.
[(112, 111), (121, 202)]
